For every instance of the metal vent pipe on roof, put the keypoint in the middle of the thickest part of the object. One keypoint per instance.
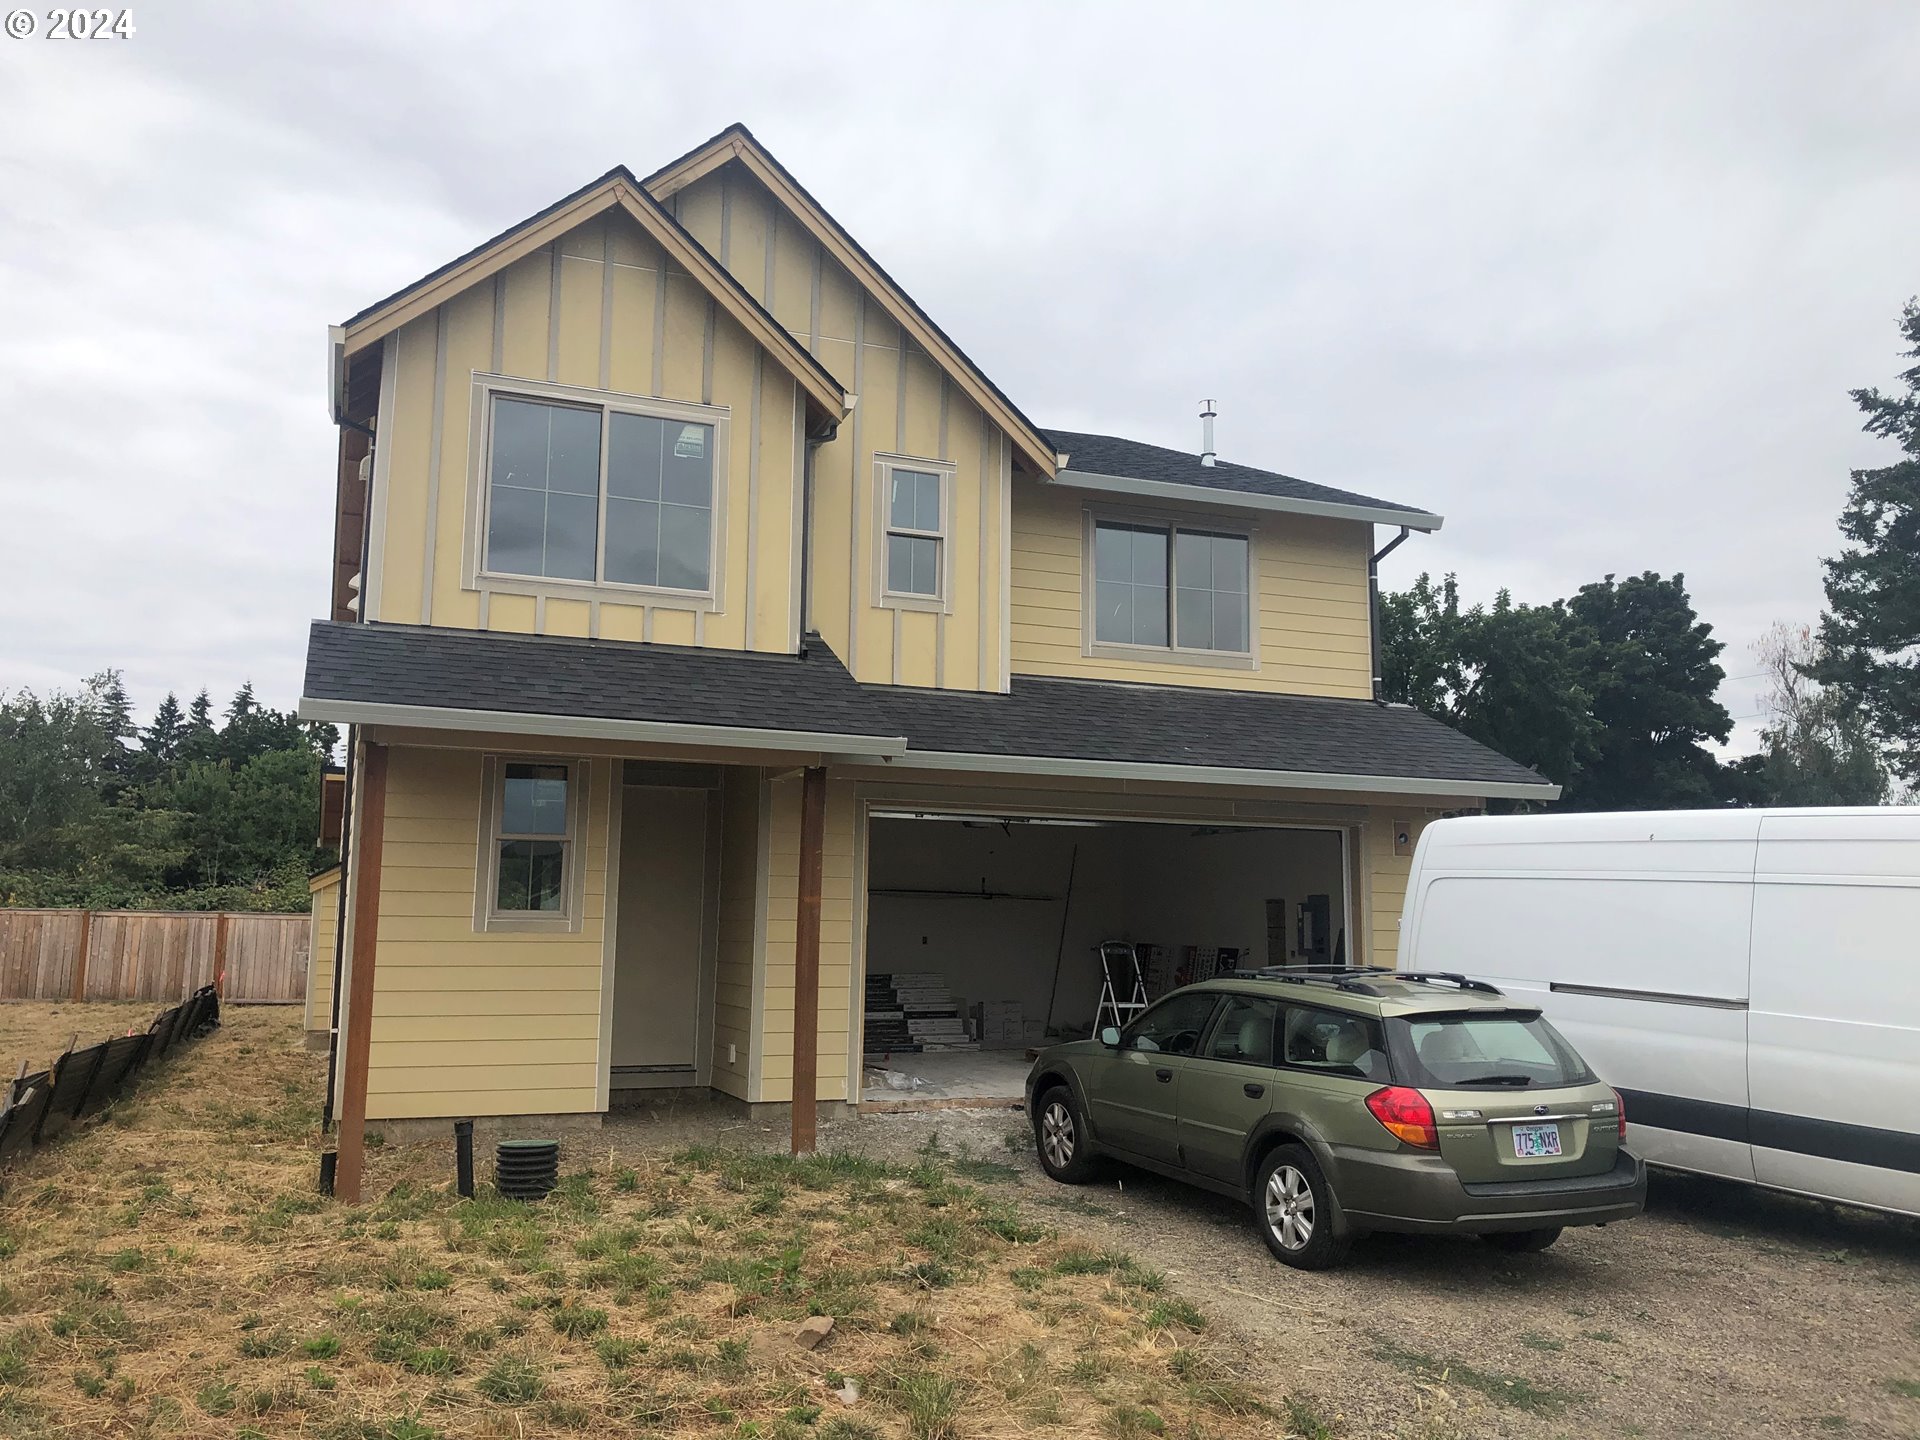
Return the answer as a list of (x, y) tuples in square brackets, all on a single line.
[(1207, 412)]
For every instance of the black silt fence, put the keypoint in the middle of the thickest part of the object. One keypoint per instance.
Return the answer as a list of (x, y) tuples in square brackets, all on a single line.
[(39, 1107)]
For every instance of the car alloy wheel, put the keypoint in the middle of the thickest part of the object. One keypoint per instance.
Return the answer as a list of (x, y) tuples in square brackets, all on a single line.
[(1289, 1202), (1056, 1135)]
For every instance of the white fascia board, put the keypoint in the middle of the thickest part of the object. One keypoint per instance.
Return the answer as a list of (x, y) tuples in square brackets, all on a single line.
[(1421, 520), (1223, 775), (581, 727)]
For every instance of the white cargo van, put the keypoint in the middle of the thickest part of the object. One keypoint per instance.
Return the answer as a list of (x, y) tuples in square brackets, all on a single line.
[(1749, 980)]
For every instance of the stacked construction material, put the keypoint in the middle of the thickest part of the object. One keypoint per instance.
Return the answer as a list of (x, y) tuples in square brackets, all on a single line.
[(913, 1013), (1002, 1024)]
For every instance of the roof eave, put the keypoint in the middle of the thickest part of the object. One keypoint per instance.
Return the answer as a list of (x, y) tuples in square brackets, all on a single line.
[(1422, 520), (1074, 767), (617, 190), (584, 727)]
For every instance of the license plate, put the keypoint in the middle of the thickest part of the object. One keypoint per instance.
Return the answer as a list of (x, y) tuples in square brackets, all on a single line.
[(1532, 1141)]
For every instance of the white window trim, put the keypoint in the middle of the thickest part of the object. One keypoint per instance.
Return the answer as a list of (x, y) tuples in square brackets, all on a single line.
[(479, 447), (566, 920), (1172, 652), (883, 468)]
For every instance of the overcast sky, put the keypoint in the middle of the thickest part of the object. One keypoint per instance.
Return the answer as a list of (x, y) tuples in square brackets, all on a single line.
[(1590, 279)]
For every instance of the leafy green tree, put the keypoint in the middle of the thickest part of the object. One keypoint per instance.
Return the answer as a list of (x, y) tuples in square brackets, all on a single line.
[(1649, 663), (1870, 633), (1506, 675), (196, 817)]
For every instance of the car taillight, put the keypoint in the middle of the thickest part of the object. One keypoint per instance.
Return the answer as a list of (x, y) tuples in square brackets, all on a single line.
[(1620, 1109), (1406, 1114)]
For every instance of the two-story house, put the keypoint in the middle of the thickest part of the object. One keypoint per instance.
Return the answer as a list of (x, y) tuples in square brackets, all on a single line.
[(717, 638)]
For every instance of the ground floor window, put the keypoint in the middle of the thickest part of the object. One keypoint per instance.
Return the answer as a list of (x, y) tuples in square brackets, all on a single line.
[(530, 843)]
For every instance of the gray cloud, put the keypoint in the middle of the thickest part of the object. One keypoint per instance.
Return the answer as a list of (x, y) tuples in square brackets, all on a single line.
[(1592, 280)]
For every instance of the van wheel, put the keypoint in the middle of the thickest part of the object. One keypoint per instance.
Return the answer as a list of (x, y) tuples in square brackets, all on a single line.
[(1060, 1137), (1523, 1242), (1293, 1205)]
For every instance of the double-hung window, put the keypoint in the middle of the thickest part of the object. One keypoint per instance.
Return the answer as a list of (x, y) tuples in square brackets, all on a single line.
[(531, 845), (599, 492), (913, 510), (1165, 586)]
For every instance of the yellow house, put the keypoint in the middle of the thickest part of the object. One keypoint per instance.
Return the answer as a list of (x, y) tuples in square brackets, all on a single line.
[(740, 684)]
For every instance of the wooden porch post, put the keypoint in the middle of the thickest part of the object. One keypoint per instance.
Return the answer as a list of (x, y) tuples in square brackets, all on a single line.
[(806, 959), (370, 817)]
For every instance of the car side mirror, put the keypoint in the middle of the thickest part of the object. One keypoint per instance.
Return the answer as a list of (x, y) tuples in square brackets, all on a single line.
[(1110, 1037)]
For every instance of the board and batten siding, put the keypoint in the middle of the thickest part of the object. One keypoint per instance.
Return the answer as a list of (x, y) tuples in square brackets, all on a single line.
[(600, 308), (907, 407), (488, 1023), (1310, 602)]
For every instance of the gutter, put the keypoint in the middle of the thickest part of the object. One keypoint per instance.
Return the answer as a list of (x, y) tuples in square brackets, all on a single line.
[(1144, 770), (1422, 520), (579, 727)]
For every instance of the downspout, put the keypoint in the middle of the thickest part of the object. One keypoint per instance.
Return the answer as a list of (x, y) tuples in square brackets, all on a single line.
[(339, 937), (821, 434), (346, 801), (1373, 602)]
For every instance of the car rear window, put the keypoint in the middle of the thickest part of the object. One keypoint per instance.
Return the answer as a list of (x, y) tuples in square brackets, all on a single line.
[(1480, 1049)]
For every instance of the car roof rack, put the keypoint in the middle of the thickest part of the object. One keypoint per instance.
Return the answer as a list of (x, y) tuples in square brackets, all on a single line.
[(1354, 978), (1446, 977), (1340, 977)]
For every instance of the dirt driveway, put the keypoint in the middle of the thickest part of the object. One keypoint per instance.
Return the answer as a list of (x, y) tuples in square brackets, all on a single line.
[(1724, 1311)]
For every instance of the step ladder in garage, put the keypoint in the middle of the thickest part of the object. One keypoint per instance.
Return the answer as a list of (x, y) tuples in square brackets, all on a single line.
[(1119, 975)]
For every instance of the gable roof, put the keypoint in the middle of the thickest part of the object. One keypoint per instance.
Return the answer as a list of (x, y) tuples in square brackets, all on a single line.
[(1117, 466), (736, 142), (615, 190)]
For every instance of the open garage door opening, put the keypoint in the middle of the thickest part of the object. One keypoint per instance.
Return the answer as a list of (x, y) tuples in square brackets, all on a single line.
[(983, 933)]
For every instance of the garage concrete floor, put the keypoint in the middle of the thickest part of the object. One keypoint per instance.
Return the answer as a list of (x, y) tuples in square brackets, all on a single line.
[(951, 1077)]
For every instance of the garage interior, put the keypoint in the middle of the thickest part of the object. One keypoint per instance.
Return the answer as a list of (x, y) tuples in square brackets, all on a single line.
[(983, 933)]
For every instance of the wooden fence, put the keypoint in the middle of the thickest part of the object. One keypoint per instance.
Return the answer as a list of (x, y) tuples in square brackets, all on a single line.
[(152, 955)]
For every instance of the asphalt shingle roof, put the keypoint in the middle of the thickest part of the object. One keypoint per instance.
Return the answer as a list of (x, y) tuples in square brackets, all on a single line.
[(1062, 719), (591, 679), (1178, 725), (1134, 460)]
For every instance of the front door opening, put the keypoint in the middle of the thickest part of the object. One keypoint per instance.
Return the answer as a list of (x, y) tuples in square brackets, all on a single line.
[(982, 933), (660, 918)]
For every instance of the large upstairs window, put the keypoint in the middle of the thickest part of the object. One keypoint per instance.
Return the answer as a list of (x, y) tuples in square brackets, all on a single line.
[(1164, 586), (599, 492)]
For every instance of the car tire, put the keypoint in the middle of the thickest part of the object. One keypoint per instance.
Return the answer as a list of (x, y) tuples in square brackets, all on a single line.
[(1523, 1242), (1060, 1138), (1294, 1208)]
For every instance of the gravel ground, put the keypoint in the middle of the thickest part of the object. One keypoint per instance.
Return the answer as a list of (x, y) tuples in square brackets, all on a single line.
[(1723, 1311)]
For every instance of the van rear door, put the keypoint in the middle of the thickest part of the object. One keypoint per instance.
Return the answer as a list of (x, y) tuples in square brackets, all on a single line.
[(1835, 1020), (1630, 932)]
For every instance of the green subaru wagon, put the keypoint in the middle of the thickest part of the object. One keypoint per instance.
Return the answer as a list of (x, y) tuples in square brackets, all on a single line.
[(1338, 1102)]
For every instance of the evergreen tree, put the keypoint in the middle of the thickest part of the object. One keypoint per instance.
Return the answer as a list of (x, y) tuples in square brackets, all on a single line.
[(200, 740), (161, 739), (108, 693), (1870, 633)]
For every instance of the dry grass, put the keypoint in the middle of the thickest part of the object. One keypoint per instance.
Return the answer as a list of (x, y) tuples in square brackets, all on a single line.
[(170, 1271), (35, 1031)]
